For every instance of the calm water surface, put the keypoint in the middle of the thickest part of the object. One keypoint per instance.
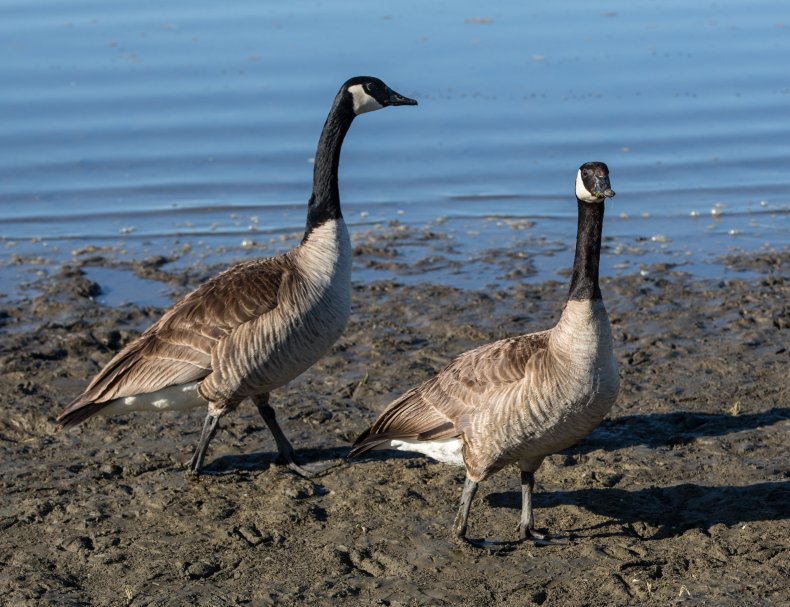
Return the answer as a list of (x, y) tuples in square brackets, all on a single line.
[(141, 125)]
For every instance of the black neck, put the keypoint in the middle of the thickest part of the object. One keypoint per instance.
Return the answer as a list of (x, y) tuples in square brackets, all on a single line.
[(324, 203), (584, 283)]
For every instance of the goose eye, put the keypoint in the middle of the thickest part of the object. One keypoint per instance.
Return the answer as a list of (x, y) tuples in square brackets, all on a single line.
[(587, 172)]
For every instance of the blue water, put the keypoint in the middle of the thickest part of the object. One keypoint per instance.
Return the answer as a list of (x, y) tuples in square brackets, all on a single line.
[(140, 125)]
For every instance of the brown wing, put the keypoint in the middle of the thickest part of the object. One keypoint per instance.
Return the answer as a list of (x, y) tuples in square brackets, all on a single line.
[(177, 348), (438, 408)]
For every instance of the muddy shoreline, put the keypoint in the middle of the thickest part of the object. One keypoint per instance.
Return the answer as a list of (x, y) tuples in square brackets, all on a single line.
[(680, 496)]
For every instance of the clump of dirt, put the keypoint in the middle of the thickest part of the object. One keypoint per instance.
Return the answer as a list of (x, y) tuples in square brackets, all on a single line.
[(680, 496)]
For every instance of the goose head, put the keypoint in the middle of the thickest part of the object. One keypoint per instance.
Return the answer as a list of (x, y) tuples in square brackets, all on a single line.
[(592, 182), (368, 94)]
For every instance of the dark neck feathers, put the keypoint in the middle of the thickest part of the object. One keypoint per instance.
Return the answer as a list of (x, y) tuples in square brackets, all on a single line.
[(584, 282), (324, 204)]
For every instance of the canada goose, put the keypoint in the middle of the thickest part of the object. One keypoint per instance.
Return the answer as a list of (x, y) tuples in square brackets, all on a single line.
[(519, 399), (257, 325)]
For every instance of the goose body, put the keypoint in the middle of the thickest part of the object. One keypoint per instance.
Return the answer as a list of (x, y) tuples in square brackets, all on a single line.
[(256, 326), (519, 399), (515, 399), (268, 350)]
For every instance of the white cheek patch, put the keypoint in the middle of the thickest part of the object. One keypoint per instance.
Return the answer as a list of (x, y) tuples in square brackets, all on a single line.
[(582, 193), (362, 101)]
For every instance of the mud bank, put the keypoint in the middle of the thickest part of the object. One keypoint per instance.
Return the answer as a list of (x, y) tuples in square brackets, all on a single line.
[(680, 496)]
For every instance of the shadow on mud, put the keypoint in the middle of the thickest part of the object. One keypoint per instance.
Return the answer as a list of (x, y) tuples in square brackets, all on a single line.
[(677, 428), (259, 461), (672, 510)]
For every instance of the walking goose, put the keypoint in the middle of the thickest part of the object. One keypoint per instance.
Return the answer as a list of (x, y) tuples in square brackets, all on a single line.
[(519, 399), (257, 325)]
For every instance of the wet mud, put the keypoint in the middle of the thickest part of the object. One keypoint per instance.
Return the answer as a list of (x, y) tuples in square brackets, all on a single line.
[(680, 496)]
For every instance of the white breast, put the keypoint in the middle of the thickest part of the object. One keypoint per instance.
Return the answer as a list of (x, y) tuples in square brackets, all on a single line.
[(584, 385), (325, 296), (583, 339), (312, 315)]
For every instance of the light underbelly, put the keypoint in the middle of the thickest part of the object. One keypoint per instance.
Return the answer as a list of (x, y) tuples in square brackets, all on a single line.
[(448, 451), (182, 397)]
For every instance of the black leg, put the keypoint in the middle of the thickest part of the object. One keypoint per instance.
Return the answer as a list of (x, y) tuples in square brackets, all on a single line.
[(467, 495), (284, 447), (526, 527), (209, 430)]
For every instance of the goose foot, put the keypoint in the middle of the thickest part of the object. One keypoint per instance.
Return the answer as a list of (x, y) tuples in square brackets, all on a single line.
[(491, 546), (286, 452), (196, 476), (308, 471), (540, 538)]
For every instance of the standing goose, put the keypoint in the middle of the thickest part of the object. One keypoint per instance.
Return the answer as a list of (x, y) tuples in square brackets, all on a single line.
[(519, 399), (257, 325)]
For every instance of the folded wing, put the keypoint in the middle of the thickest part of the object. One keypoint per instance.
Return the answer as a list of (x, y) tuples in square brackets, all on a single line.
[(441, 407), (177, 348)]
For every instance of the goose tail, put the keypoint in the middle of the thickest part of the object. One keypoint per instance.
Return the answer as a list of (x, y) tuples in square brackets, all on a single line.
[(77, 412), (365, 442)]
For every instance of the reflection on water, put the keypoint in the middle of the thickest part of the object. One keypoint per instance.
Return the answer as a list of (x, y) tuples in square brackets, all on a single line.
[(145, 124)]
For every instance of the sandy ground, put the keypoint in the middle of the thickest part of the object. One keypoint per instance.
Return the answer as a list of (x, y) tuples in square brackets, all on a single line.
[(680, 496)]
